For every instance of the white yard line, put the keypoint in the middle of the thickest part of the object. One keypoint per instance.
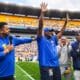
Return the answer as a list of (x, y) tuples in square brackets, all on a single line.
[(25, 73)]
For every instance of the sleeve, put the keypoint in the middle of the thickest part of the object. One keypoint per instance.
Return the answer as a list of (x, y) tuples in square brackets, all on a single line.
[(59, 51), (2, 55), (72, 52), (39, 38), (18, 41), (56, 39)]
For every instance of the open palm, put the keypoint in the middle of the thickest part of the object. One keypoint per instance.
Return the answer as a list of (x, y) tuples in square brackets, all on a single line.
[(43, 7)]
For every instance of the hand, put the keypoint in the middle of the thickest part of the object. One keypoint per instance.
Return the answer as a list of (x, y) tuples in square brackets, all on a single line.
[(68, 41), (43, 7), (8, 49), (33, 39)]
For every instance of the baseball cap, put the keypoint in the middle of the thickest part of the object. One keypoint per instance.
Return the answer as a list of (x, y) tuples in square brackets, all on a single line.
[(46, 29)]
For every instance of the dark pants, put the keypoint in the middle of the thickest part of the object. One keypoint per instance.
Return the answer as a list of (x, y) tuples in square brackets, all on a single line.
[(7, 78), (50, 73)]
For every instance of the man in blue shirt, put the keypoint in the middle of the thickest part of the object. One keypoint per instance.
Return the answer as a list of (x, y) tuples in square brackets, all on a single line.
[(48, 57), (7, 53), (75, 53)]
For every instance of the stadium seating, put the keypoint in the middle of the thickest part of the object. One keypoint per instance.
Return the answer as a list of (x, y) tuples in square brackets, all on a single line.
[(33, 22)]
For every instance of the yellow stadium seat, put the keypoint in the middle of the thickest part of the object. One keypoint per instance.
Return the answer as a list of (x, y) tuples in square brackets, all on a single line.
[(33, 22)]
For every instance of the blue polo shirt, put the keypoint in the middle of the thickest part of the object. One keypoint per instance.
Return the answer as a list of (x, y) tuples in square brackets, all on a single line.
[(7, 62), (47, 51)]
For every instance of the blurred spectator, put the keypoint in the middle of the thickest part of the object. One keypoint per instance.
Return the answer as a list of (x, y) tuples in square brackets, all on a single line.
[(27, 52)]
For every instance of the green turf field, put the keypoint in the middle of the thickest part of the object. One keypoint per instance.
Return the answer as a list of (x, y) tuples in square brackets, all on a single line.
[(20, 75), (27, 71)]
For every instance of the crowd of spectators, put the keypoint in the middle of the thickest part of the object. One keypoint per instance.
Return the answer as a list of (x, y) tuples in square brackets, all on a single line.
[(27, 52)]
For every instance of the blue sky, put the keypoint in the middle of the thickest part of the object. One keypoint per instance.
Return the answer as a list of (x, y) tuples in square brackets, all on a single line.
[(72, 5)]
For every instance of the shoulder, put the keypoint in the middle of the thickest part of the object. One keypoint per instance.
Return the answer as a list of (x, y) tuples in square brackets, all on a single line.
[(58, 47), (54, 36), (40, 38), (74, 43)]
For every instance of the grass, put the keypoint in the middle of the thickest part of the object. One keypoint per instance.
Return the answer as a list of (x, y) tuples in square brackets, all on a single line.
[(20, 75), (30, 68)]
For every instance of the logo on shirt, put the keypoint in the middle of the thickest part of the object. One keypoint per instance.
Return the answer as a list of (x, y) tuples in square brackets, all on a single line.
[(4, 46)]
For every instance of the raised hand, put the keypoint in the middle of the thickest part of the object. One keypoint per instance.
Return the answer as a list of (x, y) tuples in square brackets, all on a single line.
[(41, 18), (64, 26), (43, 7)]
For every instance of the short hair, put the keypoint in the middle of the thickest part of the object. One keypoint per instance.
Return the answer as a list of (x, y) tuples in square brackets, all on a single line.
[(2, 24)]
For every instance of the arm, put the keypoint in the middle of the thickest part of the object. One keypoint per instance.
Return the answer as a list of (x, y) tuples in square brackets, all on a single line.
[(43, 10), (2, 54), (18, 41), (6, 51), (63, 28)]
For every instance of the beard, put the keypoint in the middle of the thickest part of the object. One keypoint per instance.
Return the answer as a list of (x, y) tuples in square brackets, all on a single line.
[(48, 37), (5, 34)]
